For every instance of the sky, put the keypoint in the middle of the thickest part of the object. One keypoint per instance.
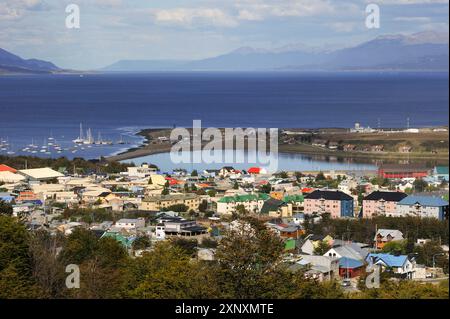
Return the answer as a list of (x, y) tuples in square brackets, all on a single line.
[(113, 30)]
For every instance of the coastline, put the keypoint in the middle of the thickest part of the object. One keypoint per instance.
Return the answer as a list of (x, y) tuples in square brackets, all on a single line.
[(148, 148)]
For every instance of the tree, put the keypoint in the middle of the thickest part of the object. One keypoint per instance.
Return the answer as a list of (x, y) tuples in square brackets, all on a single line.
[(420, 185), (203, 206), (320, 177), (194, 173), (236, 185), (142, 242), (211, 193), (241, 211), (396, 247), (322, 248), (16, 279), (188, 246), (168, 273), (6, 208)]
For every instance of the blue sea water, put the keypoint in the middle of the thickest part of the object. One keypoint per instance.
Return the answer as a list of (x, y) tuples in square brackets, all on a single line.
[(38, 107)]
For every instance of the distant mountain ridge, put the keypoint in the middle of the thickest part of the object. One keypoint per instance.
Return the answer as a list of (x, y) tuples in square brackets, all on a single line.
[(420, 51), (11, 63)]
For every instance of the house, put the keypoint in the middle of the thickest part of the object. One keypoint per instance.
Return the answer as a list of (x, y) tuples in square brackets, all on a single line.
[(256, 170), (40, 174), (252, 203), (377, 148), (142, 171), (441, 173), (381, 203), (10, 178), (349, 148), (130, 224), (320, 268), (400, 265), (6, 197), (185, 228), (335, 203), (319, 143), (423, 206), (276, 208), (6, 168), (384, 236), (350, 268), (405, 149), (399, 171), (156, 203), (298, 218), (296, 200), (226, 171), (312, 242), (350, 250)]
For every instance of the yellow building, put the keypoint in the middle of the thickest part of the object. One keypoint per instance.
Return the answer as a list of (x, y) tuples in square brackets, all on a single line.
[(156, 203)]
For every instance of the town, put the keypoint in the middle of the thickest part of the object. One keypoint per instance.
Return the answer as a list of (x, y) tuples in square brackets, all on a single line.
[(333, 225)]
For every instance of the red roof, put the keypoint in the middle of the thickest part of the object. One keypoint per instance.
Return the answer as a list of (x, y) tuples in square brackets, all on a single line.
[(6, 168), (307, 190), (254, 170), (172, 181)]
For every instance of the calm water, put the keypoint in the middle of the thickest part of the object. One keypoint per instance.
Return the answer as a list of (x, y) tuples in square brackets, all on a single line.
[(284, 162), (34, 108)]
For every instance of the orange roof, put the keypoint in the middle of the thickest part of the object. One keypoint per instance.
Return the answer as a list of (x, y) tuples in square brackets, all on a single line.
[(307, 190), (6, 168)]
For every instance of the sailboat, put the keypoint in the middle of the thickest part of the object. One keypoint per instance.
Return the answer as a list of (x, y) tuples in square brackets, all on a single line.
[(80, 139), (121, 141), (89, 139)]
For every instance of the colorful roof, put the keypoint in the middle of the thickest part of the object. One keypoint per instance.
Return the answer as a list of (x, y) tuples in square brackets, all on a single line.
[(388, 259), (350, 263), (6, 168), (423, 201), (254, 170), (244, 198), (442, 170)]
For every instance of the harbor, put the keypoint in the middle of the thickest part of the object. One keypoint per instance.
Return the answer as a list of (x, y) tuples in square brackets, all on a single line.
[(107, 142)]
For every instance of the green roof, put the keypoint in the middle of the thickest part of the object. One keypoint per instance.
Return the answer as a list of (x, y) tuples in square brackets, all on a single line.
[(244, 198), (294, 198), (125, 241), (442, 170)]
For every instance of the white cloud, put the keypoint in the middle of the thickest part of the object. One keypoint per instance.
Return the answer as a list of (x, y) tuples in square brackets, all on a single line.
[(189, 17), (413, 19), (408, 2)]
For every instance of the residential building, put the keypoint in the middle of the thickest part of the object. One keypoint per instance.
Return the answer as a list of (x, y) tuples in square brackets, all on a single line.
[(381, 203), (40, 174), (335, 203), (130, 224), (276, 208), (399, 171), (423, 206), (253, 203), (156, 203)]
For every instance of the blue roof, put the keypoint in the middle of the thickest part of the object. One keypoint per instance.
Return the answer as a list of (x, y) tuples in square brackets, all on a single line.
[(388, 259), (423, 200), (442, 170), (350, 263)]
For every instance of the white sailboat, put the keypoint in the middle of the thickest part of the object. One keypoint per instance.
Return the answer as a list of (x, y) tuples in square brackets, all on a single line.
[(80, 139), (89, 139)]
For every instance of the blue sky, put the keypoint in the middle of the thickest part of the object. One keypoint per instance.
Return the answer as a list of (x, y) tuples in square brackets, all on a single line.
[(113, 30)]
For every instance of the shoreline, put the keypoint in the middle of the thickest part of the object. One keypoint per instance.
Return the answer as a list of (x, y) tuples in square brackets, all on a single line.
[(147, 148)]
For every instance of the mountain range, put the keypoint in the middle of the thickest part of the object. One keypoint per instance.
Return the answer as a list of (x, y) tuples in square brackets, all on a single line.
[(10, 63), (420, 51), (425, 51)]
